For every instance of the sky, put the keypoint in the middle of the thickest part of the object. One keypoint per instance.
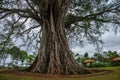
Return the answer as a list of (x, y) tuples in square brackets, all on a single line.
[(111, 42)]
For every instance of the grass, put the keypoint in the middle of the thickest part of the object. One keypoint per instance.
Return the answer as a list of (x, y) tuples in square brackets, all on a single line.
[(115, 75)]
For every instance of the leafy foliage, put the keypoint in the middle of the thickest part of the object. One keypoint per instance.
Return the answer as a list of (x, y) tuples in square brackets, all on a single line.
[(100, 59), (15, 55), (84, 19)]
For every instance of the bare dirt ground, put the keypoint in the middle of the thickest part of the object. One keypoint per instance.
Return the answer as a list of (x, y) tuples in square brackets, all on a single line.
[(23, 73)]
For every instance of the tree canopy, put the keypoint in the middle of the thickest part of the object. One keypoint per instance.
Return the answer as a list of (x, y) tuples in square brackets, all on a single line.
[(83, 19)]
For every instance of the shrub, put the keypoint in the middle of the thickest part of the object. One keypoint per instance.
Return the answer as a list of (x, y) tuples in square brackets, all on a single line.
[(101, 64)]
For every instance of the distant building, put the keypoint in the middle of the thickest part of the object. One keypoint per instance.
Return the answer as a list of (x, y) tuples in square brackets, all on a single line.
[(116, 61), (88, 63)]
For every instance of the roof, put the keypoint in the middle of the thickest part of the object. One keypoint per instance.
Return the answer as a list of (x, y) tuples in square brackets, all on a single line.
[(116, 59), (88, 61)]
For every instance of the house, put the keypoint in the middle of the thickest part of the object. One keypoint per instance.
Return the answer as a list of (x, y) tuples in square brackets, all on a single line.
[(88, 63), (116, 61)]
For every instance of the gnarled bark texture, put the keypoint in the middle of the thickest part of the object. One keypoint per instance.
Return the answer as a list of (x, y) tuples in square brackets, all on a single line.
[(54, 56)]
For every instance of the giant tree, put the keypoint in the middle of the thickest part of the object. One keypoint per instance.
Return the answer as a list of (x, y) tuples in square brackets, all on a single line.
[(52, 23)]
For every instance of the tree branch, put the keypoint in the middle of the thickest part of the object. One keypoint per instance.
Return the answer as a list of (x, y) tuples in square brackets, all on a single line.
[(72, 19), (29, 29), (26, 13), (6, 14)]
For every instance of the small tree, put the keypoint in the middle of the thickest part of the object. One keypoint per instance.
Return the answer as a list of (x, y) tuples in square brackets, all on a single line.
[(112, 54), (86, 55), (98, 57), (23, 56), (30, 59), (15, 54), (4, 52)]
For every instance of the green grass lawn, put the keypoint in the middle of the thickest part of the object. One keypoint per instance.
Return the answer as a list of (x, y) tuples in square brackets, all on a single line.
[(115, 75)]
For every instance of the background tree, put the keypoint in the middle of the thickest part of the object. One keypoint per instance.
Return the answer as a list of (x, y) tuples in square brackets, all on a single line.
[(79, 58), (112, 54), (82, 58), (4, 52), (98, 57), (23, 56), (104, 59), (30, 59), (16, 54), (86, 55), (52, 23)]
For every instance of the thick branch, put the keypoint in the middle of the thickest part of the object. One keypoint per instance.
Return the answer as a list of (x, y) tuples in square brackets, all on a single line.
[(72, 19), (26, 13), (29, 29)]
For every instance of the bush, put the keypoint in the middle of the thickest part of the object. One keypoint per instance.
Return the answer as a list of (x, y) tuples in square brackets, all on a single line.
[(101, 64), (115, 63), (13, 66)]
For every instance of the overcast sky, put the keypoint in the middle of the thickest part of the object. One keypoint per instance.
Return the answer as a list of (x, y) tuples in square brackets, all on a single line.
[(111, 42)]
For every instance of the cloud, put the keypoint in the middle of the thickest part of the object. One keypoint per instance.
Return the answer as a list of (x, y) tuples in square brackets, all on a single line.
[(111, 42), (87, 48)]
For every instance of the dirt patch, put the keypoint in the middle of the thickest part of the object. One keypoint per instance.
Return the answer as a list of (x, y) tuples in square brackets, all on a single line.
[(23, 73)]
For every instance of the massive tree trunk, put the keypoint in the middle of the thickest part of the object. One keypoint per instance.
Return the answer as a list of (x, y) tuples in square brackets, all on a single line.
[(54, 56)]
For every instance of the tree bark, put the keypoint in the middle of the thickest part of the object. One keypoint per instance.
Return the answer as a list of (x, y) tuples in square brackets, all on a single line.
[(54, 56)]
